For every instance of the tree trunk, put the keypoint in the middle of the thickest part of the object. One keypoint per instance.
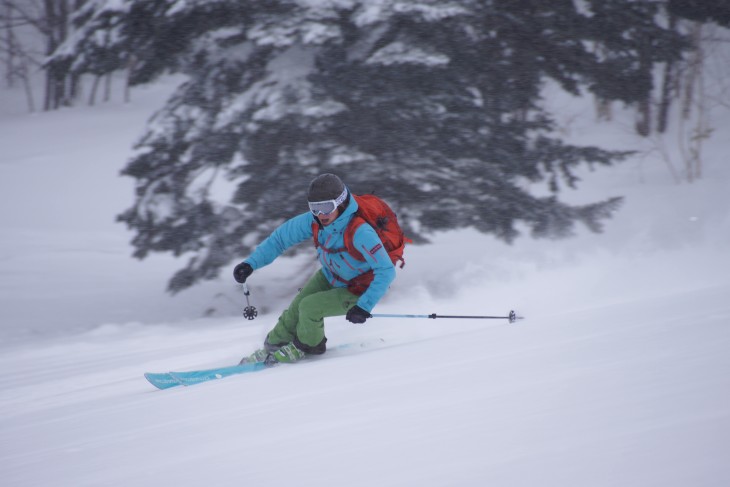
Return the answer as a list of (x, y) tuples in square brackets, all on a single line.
[(94, 87), (108, 87), (10, 74), (127, 84), (23, 73), (693, 70), (56, 26), (74, 88), (669, 87), (643, 124)]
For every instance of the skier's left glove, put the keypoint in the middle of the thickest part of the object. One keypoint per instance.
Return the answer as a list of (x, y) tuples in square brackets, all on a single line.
[(357, 315)]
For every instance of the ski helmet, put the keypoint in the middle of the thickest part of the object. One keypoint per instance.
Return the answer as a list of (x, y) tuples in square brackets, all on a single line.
[(325, 187), (326, 193)]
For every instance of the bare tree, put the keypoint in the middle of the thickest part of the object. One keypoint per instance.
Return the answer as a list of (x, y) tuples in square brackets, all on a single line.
[(669, 86), (55, 30), (8, 47), (20, 59), (48, 20), (693, 70), (699, 84)]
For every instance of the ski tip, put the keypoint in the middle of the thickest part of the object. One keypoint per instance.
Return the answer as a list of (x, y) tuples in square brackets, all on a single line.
[(161, 381)]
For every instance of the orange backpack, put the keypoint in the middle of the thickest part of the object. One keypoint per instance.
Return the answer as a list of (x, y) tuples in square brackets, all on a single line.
[(375, 212)]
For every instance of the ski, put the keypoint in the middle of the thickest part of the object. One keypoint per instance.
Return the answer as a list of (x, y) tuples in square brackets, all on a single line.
[(166, 380), (198, 376), (162, 380)]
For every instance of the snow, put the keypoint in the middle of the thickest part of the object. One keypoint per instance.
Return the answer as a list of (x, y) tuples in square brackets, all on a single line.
[(400, 53), (619, 375), (375, 11)]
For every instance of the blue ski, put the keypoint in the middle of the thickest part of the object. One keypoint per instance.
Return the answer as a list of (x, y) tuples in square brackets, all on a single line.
[(173, 379), (162, 380), (197, 376), (167, 380)]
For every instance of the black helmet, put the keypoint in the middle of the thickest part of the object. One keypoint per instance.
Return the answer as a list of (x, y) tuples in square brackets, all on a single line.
[(325, 187), (326, 193)]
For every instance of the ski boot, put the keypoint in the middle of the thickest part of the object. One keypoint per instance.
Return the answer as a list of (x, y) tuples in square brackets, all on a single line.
[(258, 356), (261, 354), (288, 354)]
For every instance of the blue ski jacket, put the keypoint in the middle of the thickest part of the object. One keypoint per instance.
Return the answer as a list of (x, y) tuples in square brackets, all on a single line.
[(331, 237)]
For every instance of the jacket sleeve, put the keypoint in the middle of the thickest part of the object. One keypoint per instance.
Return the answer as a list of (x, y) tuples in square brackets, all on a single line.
[(370, 246), (288, 234)]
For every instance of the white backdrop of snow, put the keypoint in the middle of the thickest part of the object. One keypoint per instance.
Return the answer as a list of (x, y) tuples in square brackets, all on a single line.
[(620, 375)]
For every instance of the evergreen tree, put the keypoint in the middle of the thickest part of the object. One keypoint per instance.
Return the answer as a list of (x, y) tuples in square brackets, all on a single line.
[(702, 10), (433, 104)]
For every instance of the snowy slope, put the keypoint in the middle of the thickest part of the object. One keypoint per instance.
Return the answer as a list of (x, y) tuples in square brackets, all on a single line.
[(620, 375), (634, 393)]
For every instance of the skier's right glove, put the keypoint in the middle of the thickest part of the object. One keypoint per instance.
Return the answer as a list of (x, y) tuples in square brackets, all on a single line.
[(357, 315), (242, 271)]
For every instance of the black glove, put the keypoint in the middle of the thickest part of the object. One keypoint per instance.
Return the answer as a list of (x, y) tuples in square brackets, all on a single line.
[(357, 315), (242, 271)]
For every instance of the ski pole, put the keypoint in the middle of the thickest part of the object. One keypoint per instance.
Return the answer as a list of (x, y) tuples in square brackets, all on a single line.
[(249, 312), (512, 316)]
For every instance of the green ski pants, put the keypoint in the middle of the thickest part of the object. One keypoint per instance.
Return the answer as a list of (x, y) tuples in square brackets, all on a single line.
[(304, 318)]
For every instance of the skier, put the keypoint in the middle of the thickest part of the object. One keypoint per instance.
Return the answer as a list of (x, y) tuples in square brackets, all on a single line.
[(300, 328)]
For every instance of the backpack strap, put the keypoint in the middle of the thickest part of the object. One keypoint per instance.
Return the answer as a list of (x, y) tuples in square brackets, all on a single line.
[(315, 233), (349, 237)]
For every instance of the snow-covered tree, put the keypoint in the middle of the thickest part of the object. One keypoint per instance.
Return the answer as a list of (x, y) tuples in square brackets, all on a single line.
[(433, 104)]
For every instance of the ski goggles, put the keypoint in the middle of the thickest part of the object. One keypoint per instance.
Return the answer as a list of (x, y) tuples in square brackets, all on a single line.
[(327, 207)]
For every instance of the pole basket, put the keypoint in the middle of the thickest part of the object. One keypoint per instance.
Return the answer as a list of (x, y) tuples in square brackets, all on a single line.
[(249, 312)]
